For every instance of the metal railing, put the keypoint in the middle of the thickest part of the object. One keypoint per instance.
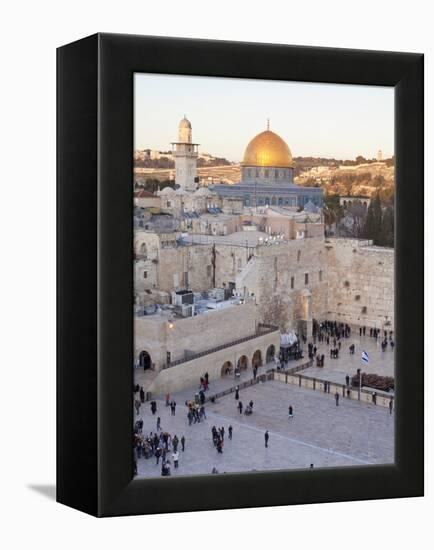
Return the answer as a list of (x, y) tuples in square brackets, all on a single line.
[(262, 330)]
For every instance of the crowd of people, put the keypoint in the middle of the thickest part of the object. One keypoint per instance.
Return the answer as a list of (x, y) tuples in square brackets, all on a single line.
[(165, 447), (159, 444)]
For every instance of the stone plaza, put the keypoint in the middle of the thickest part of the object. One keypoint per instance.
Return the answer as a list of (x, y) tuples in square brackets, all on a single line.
[(320, 433)]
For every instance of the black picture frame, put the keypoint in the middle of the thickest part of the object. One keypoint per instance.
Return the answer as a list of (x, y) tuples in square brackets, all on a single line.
[(95, 279)]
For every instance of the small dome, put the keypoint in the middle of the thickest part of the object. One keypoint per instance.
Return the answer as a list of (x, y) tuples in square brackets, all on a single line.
[(310, 207), (185, 123), (268, 149), (167, 191), (203, 192)]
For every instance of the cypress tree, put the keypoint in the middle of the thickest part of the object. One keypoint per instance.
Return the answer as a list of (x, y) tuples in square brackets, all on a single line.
[(369, 222), (377, 220), (388, 227), (373, 223)]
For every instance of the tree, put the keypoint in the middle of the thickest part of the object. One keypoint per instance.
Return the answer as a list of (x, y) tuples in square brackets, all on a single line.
[(373, 224), (388, 227), (357, 210), (332, 211)]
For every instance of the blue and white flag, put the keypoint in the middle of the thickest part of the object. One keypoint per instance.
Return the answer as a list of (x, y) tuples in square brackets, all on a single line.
[(365, 357)]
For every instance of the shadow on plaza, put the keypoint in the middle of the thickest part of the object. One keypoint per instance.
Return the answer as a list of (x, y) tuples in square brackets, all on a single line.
[(48, 491)]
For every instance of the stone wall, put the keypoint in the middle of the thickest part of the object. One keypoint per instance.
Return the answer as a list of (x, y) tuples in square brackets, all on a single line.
[(187, 375), (157, 336), (360, 283), (289, 272)]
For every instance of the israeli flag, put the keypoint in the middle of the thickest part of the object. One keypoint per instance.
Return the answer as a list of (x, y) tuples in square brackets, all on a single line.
[(365, 357)]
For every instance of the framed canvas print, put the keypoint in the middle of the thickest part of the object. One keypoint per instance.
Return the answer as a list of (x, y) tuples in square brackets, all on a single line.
[(240, 259)]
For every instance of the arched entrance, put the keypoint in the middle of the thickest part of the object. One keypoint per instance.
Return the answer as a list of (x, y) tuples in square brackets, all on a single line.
[(257, 359), (271, 352), (227, 368), (242, 362), (145, 360)]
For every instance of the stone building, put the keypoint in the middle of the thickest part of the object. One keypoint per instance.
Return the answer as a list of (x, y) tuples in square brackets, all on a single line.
[(217, 279), (267, 176), (181, 349)]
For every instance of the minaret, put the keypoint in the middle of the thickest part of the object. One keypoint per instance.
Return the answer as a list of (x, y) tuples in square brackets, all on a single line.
[(185, 154)]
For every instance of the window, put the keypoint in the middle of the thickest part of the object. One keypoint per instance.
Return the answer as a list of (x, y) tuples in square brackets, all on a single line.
[(298, 255), (276, 173), (320, 276), (266, 173), (249, 173), (306, 278), (257, 173), (168, 204), (208, 271), (145, 274), (292, 282), (239, 263)]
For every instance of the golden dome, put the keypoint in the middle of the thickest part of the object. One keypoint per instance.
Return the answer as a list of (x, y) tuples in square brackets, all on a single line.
[(268, 149)]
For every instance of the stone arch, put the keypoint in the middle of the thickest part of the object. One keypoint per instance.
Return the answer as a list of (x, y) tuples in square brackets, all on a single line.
[(242, 363), (145, 360), (271, 352), (257, 358), (227, 368)]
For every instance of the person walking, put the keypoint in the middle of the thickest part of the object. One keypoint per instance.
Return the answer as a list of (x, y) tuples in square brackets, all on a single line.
[(240, 407), (347, 380), (255, 372), (142, 395), (183, 443), (390, 406), (158, 453), (337, 399), (158, 424), (222, 433), (237, 393), (230, 431), (175, 456), (175, 442), (266, 437), (290, 412), (137, 405)]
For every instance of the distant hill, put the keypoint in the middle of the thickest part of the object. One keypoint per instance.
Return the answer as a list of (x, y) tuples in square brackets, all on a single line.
[(148, 158)]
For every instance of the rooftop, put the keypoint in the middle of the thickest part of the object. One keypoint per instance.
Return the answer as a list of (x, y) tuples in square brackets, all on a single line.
[(239, 238)]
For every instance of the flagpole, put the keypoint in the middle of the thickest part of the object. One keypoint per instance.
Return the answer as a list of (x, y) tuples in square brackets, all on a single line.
[(359, 372)]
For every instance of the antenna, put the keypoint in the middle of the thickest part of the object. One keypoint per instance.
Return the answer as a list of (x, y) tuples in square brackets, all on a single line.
[(268, 123)]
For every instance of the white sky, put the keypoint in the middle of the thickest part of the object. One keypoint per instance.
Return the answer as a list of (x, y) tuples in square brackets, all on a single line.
[(321, 120)]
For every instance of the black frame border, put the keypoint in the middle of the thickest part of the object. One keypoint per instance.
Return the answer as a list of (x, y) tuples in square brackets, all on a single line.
[(95, 281)]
